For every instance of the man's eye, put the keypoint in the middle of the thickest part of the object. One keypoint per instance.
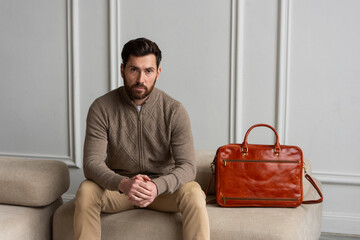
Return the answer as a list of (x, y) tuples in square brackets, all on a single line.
[(133, 69), (149, 70)]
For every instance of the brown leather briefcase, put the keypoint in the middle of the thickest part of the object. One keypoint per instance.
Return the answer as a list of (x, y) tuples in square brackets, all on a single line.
[(248, 175)]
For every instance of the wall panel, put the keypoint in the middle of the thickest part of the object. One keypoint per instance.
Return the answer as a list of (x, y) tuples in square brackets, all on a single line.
[(195, 39), (259, 75), (323, 100), (37, 97)]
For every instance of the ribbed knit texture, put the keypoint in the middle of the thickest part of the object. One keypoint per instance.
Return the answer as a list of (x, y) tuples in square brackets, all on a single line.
[(122, 142)]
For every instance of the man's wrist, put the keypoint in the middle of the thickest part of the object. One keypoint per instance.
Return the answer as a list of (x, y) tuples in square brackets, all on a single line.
[(157, 190), (119, 187)]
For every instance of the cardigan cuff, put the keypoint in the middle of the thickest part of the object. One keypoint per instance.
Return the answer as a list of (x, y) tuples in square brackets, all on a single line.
[(160, 184)]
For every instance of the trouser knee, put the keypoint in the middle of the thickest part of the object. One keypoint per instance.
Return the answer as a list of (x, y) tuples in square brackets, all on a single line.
[(192, 193), (88, 194)]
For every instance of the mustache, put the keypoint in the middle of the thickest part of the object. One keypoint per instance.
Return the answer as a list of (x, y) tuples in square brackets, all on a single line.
[(138, 85)]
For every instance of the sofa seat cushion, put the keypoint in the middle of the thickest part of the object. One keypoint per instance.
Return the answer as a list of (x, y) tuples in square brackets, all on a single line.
[(265, 223), (32, 182), (133, 224), (18, 222), (225, 223)]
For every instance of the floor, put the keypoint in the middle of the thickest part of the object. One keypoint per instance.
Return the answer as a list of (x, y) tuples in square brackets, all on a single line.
[(329, 236)]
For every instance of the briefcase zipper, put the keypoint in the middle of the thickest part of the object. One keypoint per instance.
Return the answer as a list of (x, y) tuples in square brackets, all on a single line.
[(259, 161), (259, 199)]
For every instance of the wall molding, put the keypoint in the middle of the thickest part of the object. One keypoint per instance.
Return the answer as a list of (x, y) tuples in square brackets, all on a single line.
[(74, 83), (282, 69), (236, 70), (115, 44), (337, 178), (73, 93)]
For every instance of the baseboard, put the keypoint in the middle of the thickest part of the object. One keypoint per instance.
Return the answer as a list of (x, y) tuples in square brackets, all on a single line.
[(341, 223)]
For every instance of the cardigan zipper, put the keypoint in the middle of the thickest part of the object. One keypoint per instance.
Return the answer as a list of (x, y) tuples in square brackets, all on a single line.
[(140, 147)]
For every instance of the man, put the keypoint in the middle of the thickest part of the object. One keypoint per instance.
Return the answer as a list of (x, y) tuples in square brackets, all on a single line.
[(139, 152)]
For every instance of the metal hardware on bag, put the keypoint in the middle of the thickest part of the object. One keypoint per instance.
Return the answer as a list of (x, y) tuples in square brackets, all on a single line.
[(244, 151), (277, 151), (212, 166), (304, 167), (224, 160)]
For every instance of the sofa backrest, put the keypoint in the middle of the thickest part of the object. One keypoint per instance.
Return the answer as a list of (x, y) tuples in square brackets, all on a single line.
[(204, 159), (32, 182)]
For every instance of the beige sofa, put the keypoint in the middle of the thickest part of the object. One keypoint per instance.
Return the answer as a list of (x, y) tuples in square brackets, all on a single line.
[(30, 192), (301, 223)]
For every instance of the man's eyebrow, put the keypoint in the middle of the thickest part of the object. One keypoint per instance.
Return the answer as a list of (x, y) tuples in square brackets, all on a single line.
[(133, 66), (148, 68)]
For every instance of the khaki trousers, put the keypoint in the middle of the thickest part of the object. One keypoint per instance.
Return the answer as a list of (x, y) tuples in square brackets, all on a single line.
[(91, 200)]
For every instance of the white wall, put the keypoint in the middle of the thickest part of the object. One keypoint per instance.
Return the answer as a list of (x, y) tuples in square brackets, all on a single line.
[(290, 63)]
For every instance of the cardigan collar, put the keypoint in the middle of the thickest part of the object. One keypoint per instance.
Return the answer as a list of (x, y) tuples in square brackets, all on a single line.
[(152, 99)]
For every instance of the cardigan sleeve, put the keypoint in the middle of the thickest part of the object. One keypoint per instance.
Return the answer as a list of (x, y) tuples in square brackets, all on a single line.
[(95, 149), (182, 148)]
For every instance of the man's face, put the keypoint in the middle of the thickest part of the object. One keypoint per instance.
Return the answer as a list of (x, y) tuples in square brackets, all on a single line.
[(140, 75)]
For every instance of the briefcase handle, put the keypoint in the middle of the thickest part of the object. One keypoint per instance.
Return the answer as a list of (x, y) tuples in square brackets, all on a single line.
[(244, 145)]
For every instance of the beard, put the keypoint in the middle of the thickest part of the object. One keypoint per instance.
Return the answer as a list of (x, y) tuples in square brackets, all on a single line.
[(134, 93)]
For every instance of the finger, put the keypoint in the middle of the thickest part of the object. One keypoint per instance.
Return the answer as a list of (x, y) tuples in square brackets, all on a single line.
[(146, 178), (138, 202), (138, 196), (144, 187), (143, 177)]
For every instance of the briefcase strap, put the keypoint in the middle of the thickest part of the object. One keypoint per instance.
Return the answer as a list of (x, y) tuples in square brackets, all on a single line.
[(309, 178), (207, 189)]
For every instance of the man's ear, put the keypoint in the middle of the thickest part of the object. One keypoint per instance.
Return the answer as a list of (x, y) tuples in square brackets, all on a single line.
[(122, 70), (158, 72)]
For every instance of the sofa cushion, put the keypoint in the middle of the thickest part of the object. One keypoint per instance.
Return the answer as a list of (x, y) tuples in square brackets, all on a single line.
[(298, 223), (32, 182), (18, 222), (133, 224)]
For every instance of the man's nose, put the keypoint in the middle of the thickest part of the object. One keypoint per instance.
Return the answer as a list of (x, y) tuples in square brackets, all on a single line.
[(141, 77)]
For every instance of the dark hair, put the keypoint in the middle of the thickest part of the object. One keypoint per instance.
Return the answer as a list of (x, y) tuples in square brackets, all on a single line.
[(140, 47)]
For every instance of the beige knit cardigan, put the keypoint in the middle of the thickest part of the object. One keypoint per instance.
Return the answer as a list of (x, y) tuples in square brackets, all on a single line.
[(122, 141)]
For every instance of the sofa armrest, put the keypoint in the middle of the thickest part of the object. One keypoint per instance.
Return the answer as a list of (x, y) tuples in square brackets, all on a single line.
[(32, 182)]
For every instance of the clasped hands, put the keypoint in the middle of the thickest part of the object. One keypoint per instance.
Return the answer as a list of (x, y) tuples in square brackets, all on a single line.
[(140, 190)]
